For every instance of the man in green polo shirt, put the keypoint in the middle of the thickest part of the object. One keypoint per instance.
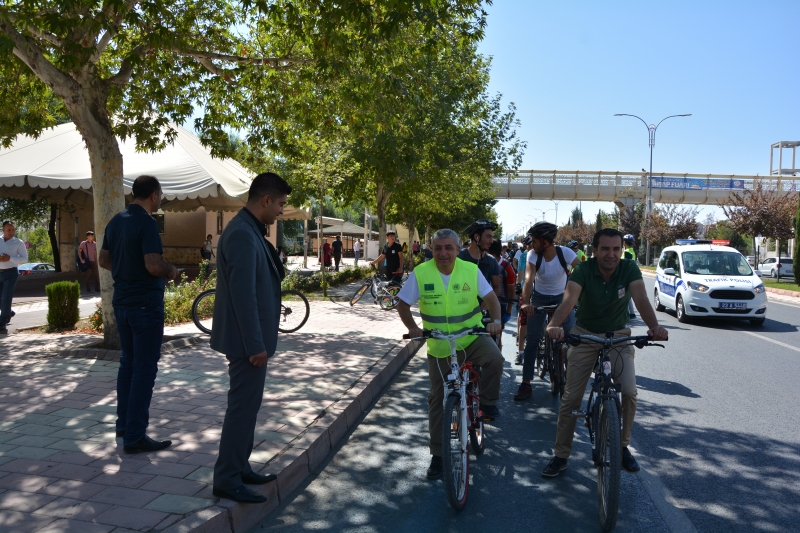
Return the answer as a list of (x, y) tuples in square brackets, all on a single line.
[(602, 286)]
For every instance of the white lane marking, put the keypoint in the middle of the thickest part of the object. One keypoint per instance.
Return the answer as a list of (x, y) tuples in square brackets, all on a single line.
[(796, 349)]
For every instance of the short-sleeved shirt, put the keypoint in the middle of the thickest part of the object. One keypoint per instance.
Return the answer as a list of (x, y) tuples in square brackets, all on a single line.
[(486, 264), (337, 246), (603, 305), (410, 291), (551, 279), (391, 253), (130, 236)]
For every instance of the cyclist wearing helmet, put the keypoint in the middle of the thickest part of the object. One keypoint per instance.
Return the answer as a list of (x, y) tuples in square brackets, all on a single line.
[(629, 253), (480, 235), (573, 245), (547, 264)]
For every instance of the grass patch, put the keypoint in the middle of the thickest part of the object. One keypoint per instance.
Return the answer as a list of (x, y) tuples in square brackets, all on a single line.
[(788, 285), (650, 268)]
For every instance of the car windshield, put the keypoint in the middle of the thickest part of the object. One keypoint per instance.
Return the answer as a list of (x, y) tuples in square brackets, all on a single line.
[(716, 263)]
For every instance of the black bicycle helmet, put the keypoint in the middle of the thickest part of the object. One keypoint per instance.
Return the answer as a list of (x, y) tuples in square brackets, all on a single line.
[(527, 240), (572, 244), (479, 226), (544, 230)]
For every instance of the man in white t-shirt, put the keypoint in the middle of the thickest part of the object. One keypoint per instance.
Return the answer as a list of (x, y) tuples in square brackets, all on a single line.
[(357, 250), (547, 266)]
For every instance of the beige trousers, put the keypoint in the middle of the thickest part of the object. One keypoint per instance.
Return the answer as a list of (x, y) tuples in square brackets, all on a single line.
[(484, 353), (580, 364)]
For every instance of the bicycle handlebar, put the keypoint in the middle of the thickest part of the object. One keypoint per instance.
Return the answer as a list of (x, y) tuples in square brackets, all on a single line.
[(640, 341), (440, 335)]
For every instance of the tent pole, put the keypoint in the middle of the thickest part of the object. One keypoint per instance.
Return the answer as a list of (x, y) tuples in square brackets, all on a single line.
[(305, 243)]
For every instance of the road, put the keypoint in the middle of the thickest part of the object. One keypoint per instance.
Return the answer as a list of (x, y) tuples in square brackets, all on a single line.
[(32, 311), (716, 434)]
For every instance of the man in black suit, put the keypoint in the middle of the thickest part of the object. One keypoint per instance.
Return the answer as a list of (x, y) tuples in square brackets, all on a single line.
[(246, 313)]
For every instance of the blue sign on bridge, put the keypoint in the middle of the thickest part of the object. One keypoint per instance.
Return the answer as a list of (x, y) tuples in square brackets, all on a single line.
[(695, 183)]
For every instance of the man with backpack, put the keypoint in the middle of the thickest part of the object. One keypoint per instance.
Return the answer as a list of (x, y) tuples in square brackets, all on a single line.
[(548, 265)]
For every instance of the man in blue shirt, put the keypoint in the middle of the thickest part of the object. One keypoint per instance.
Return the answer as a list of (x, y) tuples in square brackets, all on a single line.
[(132, 252)]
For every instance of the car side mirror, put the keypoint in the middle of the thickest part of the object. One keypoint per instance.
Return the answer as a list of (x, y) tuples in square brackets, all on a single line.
[(669, 271)]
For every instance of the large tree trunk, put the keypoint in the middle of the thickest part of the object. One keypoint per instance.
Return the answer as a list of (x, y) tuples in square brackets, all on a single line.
[(91, 119), (51, 232), (382, 198)]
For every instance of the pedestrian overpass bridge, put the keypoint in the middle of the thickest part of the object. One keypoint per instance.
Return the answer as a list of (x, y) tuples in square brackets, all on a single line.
[(629, 188)]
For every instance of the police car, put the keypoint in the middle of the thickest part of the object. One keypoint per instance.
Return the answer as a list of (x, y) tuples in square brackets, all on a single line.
[(699, 278)]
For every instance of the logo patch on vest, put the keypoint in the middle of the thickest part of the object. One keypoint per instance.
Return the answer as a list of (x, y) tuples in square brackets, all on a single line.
[(465, 288), (463, 301), (621, 292), (456, 287), (429, 286)]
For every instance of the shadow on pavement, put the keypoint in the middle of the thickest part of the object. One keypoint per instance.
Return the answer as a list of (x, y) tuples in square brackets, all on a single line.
[(664, 387)]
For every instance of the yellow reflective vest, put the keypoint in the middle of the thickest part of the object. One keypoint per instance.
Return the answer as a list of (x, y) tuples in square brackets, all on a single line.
[(456, 310)]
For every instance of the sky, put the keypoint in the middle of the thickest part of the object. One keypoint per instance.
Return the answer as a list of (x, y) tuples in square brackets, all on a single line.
[(570, 66)]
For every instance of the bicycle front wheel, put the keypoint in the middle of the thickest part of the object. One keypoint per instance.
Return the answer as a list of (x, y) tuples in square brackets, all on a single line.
[(455, 459), (294, 311), (389, 299), (359, 293), (609, 459), (203, 310)]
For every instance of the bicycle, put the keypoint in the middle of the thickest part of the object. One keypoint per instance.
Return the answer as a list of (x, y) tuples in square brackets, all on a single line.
[(552, 355), (462, 417), (383, 292), (295, 311), (603, 421)]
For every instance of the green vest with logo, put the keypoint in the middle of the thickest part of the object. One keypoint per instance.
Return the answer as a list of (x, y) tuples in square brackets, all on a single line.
[(633, 254), (456, 310)]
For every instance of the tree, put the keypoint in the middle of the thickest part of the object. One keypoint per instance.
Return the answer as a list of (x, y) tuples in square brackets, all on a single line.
[(723, 230), (670, 222), (630, 220), (127, 68), (761, 210), (598, 223), (576, 216)]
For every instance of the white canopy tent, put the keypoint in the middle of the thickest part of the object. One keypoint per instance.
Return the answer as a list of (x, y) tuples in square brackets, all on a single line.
[(55, 167)]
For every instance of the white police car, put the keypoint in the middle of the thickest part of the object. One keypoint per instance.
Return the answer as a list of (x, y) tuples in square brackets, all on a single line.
[(707, 279)]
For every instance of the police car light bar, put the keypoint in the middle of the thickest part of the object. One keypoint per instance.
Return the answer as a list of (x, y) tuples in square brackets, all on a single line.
[(702, 241)]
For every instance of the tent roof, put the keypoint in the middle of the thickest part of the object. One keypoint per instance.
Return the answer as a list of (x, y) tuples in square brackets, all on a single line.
[(55, 166), (345, 228)]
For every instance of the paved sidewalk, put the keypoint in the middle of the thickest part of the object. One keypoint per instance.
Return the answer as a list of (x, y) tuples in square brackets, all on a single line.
[(61, 468)]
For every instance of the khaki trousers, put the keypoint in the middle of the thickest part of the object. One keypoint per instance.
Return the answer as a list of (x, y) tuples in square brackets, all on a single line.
[(580, 364), (484, 353)]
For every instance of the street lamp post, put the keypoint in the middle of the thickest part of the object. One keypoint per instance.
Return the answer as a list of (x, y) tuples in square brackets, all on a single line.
[(651, 131), (556, 202)]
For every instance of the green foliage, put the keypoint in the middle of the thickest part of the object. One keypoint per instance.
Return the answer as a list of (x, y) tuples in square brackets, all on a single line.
[(796, 250), (62, 304), (25, 213), (313, 282), (40, 251), (179, 297), (724, 230), (96, 318)]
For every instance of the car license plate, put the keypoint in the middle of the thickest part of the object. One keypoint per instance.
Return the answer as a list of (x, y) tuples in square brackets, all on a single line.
[(733, 305)]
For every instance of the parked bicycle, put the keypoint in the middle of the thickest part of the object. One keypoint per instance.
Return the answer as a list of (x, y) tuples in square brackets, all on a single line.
[(603, 420), (462, 420), (383, 292), (295, 311)]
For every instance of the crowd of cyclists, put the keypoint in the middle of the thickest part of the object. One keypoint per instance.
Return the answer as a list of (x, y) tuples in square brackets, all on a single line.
[(537, 272)]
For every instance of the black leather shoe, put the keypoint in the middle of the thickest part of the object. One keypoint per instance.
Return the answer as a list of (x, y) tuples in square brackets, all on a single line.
[(554, 467), (629, 464), (146, 444), (258, 479), (120, 433), (241, 495), (435, 470)]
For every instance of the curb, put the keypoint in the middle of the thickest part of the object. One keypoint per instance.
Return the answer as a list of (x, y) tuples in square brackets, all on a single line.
[(782, 292), (295, 463), (113, 355)]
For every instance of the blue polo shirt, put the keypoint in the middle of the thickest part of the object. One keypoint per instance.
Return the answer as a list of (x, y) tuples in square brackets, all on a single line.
[(129, 236)]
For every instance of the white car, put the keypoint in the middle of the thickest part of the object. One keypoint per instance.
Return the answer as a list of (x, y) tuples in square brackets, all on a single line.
[(772, 265), (700, 279)]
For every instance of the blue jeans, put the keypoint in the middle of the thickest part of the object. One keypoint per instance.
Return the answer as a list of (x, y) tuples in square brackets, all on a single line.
[(535, 324), (141, 330), (8, 280), (356, 254)]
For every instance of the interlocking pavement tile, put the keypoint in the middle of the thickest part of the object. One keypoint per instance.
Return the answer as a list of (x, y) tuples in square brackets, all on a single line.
[(75, 526), (33, 429), (76, 472), (168, 521), (122, 479), (70, 488), (168, 469), (119, 463), (27, 466), (203, 474), (75, 509), (131, 497), (22, 522), (29, 452), (131, 518), (171, 485), (172, 503), (24, 482), (23, 501), (200, 459), (71, 445), (73, 458)]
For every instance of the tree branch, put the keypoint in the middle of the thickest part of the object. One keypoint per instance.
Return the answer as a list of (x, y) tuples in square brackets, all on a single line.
[(113, 29), (123, 76), (45, 36), (279, 63)]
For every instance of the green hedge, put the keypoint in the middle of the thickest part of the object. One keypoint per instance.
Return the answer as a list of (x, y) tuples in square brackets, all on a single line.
[(62, 304), (178, 298), (313, 282)]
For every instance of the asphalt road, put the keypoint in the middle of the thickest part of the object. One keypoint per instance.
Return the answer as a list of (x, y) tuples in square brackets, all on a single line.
[(716, 434)]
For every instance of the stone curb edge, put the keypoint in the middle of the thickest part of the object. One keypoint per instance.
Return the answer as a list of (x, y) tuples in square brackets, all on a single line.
[(304, 454), (782, 292), (113, 355)]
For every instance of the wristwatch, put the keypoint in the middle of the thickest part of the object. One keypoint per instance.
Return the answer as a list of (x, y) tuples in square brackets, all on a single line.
[(497, 321)]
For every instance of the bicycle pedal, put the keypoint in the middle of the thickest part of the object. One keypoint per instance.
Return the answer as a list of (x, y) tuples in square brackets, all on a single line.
[(578, 413)]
